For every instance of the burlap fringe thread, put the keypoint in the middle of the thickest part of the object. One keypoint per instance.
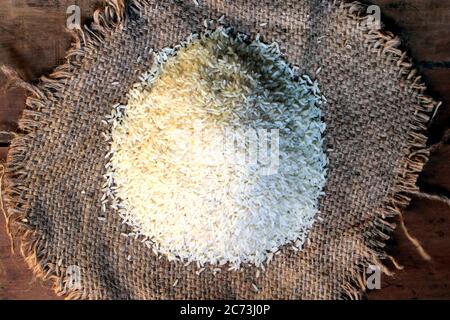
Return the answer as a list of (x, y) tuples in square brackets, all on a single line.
[(111, 18)]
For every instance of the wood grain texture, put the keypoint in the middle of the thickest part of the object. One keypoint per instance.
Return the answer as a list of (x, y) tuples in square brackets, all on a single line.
[(16, 280), (32, 40), (424, 28)]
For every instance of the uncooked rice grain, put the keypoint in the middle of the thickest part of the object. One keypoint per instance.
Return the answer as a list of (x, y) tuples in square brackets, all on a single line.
[(225, 211)]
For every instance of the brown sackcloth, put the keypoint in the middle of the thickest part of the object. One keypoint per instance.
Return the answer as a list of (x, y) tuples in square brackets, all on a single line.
[(376, 115)]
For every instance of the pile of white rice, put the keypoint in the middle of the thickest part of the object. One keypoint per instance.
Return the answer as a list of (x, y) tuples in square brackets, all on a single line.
[(182, 168)]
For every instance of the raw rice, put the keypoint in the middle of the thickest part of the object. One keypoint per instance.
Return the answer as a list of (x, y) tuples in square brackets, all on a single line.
[(217, 212)]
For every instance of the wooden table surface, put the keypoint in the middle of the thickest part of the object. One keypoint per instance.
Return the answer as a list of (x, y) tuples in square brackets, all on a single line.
[(32, 40)]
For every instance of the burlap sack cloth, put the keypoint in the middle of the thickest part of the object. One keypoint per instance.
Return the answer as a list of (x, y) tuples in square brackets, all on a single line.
[(376, 115)]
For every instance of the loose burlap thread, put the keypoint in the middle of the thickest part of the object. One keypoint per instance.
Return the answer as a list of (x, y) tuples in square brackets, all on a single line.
[(376, 115)]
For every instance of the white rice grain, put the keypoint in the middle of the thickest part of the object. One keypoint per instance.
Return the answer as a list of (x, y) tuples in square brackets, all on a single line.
[(169, 170)]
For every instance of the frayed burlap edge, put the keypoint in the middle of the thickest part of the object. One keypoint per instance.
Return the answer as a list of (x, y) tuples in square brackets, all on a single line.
[(112, 18), (386, 45), (87, 39)]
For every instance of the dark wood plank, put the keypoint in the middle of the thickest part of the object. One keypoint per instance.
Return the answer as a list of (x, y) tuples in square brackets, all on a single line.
[(33, 40), (423, 25), (438, 82), (435, 177), (424, 28), (428, 221), (16, 280)]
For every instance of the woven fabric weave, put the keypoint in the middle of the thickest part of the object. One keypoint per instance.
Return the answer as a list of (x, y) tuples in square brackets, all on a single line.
[(376, 115)]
